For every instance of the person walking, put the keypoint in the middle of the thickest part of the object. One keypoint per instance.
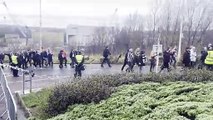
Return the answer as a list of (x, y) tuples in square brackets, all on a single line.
[(209, 58), (166, 60), (125, 60), (186, 58), (106, 54), (72, 58), (14, 58), (60, 58), (79, 60), (204, 53), (130, 60), (64, 56), (2, 58), (142, 60), (50, 58), (152, 61)]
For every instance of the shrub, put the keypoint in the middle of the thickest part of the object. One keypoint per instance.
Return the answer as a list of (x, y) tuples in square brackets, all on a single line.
[(82, 91), (99, 87)]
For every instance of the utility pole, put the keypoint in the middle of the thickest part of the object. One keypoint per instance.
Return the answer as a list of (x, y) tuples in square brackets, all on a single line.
[(40, 29), (158, 52), (180, 41)]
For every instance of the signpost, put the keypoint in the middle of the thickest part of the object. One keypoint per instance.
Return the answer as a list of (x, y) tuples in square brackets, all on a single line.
[(157, 49)]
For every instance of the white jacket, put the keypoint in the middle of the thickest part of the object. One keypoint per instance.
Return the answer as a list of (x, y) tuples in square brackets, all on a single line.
[(193, 55)]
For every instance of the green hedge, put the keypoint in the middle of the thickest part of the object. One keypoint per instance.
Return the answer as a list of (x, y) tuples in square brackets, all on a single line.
[(99, 87)]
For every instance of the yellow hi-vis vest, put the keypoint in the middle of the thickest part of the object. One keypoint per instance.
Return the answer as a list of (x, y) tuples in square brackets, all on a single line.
[(14, 59), (209, 58), (79, 58)]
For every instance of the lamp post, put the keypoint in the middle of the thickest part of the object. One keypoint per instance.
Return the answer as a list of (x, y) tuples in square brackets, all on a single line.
[(40, 29)]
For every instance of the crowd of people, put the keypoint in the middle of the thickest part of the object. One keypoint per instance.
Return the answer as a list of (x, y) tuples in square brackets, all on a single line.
[(132, 57)]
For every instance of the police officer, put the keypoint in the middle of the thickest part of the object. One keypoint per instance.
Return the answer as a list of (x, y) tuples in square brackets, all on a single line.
[(106, 54), (14, 58), (79, 60), (209, 58)]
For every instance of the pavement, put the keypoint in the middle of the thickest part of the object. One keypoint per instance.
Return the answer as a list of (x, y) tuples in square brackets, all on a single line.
[(47, 77)]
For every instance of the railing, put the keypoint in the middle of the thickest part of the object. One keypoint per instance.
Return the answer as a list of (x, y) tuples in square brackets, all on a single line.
[(11, 108)]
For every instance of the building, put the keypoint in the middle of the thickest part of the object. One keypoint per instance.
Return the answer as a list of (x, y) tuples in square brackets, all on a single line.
[(79, 36)]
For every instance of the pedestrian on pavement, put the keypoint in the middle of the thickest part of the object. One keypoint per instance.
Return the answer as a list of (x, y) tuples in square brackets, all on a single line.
[(173, 54), (2, 58), (125, 60), (204, 53), (106, 54), (130, 60), (166, 60), (136, 57), (209, 59), (61, 59), (37, 59), (14, 58), (142, 60), (186, 58), (152, 61), (79, 60), (50, 58), (31, 56), (72, 58), (64, 56), (44, 61)]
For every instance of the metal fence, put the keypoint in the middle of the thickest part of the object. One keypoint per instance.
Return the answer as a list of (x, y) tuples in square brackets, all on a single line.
[(11, 108)]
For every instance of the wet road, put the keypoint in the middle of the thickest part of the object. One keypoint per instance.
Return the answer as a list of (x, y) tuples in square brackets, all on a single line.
[(47, 77)]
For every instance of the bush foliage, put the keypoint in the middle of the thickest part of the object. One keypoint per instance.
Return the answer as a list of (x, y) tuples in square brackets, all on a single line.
[(99, 87)]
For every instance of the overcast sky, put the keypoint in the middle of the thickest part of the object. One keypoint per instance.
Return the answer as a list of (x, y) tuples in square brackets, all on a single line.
[(60, 13)]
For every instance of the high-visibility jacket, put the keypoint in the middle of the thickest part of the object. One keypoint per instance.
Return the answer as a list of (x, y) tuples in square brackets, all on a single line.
[(209, 58), (79, 58), (14, 59)]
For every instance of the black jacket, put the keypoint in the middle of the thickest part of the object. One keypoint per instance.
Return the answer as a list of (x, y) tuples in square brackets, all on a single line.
[(166, 57), (186, 58), (106, 53)]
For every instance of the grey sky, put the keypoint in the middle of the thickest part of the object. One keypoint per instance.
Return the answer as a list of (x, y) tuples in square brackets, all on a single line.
[(59, 13)]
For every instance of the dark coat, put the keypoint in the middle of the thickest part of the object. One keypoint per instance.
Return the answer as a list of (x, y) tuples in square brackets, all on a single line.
[(106, 53), (186, 58)]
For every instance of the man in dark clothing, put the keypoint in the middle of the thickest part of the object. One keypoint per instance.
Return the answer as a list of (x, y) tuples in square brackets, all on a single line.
[(31, 56), (50, 58), (60, 58), (72, 57), (1, 58), (125, 61), (37, 59), (26, 59), (44, 58), (106, 54), (204, 53), (166, 60), (142, 59), (186, 58), (20, 60)]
